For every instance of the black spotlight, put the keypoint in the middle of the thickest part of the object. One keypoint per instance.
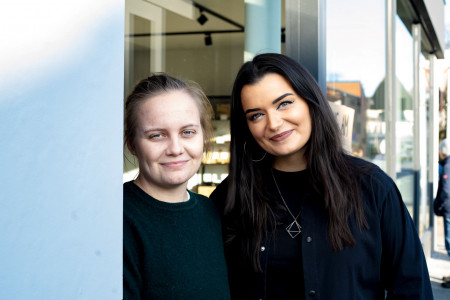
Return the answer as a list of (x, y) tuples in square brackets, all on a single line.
[(208, 40), (202, 19)]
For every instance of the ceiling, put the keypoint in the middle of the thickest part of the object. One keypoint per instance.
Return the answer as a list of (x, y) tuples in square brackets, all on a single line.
[(184, 32)]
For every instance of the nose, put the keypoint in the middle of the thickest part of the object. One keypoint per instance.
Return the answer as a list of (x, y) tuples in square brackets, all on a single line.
[(274, 121), (175, 146)]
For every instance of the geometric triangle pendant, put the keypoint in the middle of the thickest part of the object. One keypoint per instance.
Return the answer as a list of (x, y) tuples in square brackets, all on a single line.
[(294, 229)]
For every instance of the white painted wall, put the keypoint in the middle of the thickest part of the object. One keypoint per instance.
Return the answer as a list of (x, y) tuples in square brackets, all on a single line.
[(61, 102)]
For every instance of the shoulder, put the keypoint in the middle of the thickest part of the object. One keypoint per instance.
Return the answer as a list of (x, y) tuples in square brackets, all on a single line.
[(130, 194), (127, 185), (131, 203), (219, 195), (373, 181), (204, 212), (200, 198), (203, 201), (137, 205), (130, 190), (220, 192), (379, 193), (368, 171)]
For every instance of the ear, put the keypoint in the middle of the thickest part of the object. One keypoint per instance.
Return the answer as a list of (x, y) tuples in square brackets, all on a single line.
[(131, 148)]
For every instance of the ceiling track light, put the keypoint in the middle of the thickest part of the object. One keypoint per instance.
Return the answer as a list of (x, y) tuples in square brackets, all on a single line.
[(202, 19), (208, 39)]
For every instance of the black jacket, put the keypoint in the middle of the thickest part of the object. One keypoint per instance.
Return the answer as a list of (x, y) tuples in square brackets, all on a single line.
[(441, 204), (387, 261)]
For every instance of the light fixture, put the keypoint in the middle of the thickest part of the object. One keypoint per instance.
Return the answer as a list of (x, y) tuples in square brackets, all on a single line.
[(208, 39), (202, 19)]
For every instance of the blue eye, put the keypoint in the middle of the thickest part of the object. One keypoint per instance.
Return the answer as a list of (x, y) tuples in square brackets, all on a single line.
[(255, 116), (188, 132), (155, 136), (285, 103)]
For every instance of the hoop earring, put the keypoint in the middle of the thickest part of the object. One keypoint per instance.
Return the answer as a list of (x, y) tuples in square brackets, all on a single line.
[(255, 160)]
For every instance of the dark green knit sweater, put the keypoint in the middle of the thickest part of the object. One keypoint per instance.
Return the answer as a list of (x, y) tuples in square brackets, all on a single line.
[(172, 250)]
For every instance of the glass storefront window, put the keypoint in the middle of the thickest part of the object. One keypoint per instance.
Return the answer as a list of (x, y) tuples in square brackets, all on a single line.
[(404, 124), (203, 41), (356, 72), (425, 94)]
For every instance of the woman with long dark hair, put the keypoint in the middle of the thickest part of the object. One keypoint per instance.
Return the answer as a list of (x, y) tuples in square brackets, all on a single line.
[(301, 217)]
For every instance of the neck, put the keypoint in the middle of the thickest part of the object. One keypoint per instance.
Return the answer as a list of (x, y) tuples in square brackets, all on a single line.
[(173, 194), (291, 163)]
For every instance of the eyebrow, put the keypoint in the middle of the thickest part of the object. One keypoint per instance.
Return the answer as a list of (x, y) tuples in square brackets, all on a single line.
[(273, 102), (164, 129)]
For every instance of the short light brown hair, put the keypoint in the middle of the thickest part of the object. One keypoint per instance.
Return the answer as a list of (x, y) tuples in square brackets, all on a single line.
[(158, 84)]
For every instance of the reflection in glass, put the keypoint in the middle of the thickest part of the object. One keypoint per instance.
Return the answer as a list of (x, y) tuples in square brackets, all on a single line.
[(200, 40), (404, 124), (425, 94), (356, 72)]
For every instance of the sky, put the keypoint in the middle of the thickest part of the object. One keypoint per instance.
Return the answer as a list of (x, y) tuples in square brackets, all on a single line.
[(447, 21), (356, 47)]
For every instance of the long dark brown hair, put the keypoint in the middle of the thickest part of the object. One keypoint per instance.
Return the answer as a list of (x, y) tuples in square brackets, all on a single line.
[(248, 215)]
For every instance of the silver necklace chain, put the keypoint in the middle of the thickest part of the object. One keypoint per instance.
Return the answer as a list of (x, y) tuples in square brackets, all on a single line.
[(294, 228)]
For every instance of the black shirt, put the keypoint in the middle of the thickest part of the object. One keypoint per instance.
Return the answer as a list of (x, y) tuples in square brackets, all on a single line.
[(172, 250), (387, 259), (284, 264)]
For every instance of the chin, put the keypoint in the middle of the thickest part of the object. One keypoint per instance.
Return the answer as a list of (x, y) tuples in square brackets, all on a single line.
[(285, 153), (177, 180)]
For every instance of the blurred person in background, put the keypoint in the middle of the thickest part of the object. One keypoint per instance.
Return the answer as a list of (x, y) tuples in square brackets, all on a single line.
[(441, 203)]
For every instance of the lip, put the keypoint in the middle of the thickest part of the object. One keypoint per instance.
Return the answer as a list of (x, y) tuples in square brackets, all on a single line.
[(282, 136), (175, 164)]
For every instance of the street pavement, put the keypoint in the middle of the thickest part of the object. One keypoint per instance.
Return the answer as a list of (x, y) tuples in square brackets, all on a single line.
[(439, 263)]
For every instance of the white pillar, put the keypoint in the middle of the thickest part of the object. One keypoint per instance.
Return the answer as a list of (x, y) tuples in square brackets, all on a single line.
[(262, 27)]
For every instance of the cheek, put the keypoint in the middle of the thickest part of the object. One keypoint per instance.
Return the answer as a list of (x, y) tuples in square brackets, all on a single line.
[(307, 121), (195, 147), (255, 129), (149, 152), (303, 116), (306, 127)]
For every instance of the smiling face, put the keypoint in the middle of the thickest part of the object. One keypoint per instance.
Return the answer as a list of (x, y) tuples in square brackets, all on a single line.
[(278, 119), (168, 141)]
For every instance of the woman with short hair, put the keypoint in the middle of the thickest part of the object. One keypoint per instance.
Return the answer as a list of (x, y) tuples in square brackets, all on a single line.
[(172, 237)]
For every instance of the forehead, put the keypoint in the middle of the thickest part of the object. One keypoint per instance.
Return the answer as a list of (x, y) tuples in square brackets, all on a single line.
[(268, 88), (168, 109)]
